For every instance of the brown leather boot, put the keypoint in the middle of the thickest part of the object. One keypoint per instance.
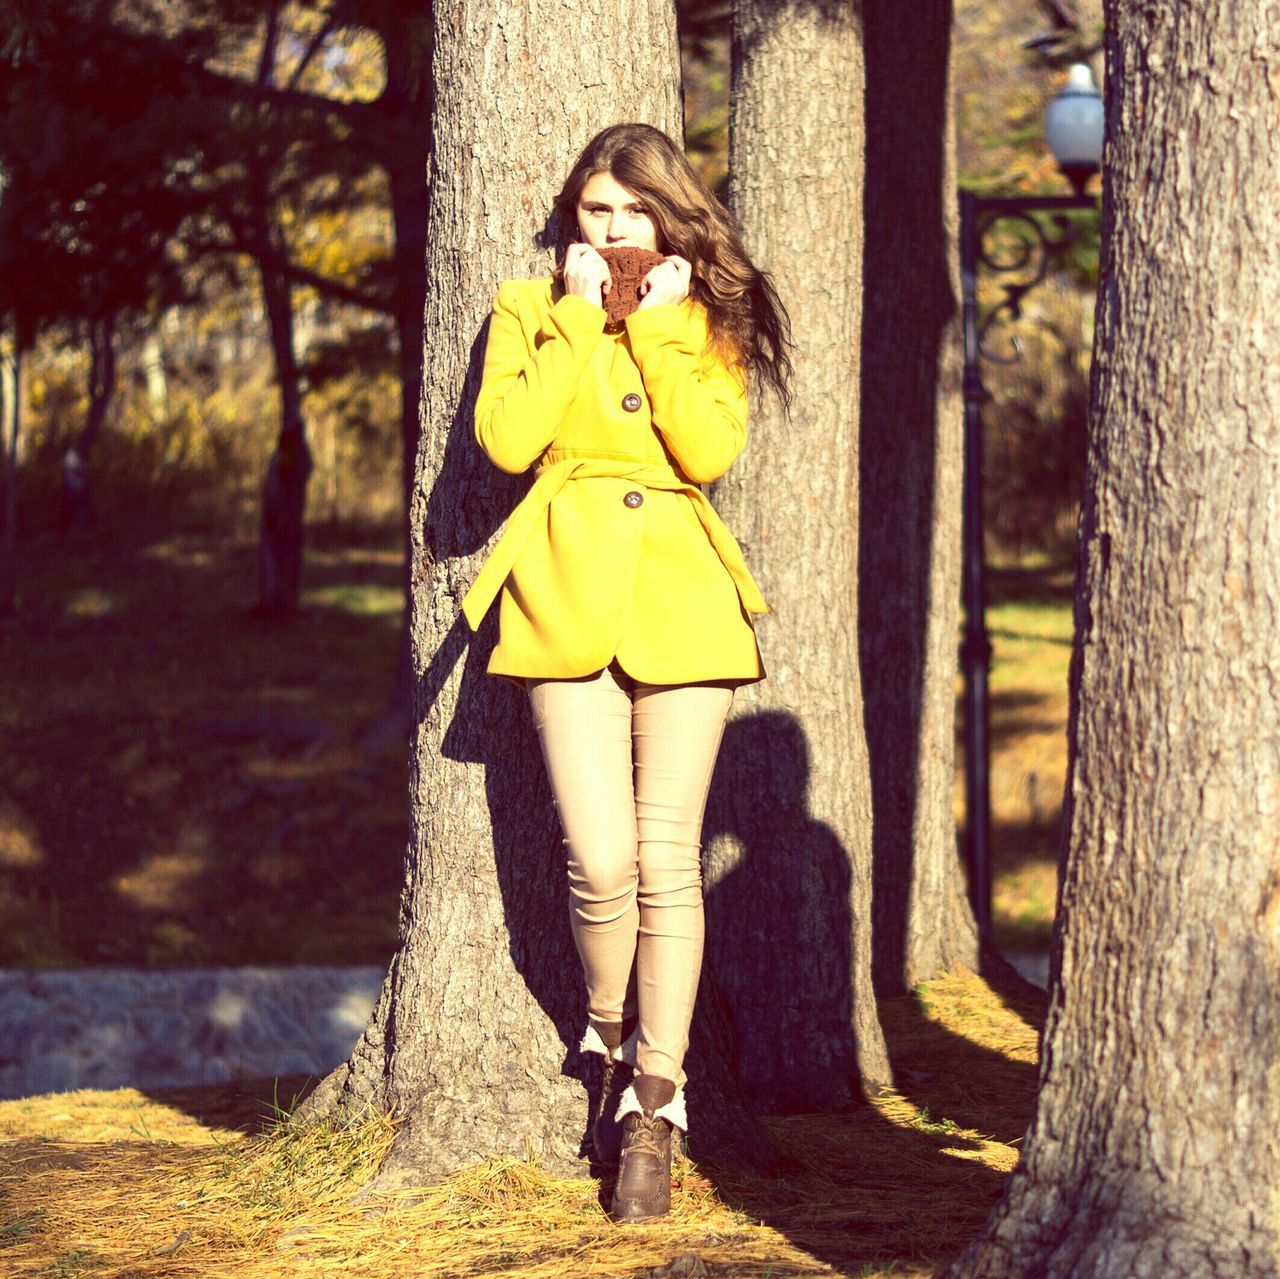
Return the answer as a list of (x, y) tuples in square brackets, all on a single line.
[(615, 1075), (643, 1190)]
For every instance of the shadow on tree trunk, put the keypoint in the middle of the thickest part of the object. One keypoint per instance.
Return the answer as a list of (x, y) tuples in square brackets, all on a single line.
[(910, 464)]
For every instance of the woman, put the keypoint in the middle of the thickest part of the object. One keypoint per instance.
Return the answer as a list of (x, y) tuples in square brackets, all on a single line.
[(625, 604)]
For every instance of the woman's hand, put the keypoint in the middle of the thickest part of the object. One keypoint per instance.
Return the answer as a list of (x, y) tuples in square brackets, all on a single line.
[(667, 282), (586, 274)]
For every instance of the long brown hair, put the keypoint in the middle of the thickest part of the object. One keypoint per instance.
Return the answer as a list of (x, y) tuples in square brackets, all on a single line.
[(747, 324)]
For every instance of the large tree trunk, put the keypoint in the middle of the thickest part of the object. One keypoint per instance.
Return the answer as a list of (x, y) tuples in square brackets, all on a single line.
[(911, 457), (1155, 1149), (789, 817), (474, 1036)]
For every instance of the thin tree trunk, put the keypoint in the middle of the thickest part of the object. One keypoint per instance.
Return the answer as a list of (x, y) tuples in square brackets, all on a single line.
[(1155, 1150), (77, 490), (911, 461), (9, 553), (789, 817), (473, 1040), (153, 370), (284, 491)]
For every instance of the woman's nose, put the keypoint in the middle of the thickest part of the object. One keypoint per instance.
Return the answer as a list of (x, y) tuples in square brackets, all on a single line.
[(616, 230)]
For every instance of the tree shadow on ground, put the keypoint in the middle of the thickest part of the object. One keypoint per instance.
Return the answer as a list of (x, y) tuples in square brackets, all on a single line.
[(897, 1180), (251, 1106), (1051, 583), (181, 785)]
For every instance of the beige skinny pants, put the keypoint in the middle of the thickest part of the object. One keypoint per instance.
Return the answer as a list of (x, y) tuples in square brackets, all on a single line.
[(630, 765)]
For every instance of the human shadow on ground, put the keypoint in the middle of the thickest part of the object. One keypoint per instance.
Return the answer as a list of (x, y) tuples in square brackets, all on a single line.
[(897, 1180)]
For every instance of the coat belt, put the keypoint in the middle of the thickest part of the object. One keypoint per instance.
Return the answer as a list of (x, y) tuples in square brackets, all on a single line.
[(552, 477)]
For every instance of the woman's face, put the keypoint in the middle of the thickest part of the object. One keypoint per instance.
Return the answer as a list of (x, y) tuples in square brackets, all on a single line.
[(610, 216)]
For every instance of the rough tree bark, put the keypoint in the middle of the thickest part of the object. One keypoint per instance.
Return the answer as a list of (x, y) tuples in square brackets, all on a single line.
[(789, 819), (473, 1039), (911, 461), (1155, 1149)]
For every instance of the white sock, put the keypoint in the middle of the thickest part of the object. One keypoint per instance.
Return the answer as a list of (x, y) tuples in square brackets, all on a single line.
[(591, 1042), (627, 1049), (673, 1112)]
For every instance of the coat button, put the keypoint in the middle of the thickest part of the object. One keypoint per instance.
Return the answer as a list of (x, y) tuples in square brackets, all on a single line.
[(633, 499), (631, 402)]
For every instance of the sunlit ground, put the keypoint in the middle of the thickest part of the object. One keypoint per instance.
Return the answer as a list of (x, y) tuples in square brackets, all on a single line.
[(183, 786)]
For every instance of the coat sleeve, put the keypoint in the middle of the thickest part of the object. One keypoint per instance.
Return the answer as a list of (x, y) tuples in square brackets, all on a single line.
[(699, 405), (524, 393)]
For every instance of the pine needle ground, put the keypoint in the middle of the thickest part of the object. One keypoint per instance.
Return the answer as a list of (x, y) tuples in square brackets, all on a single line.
[(188, 1184)]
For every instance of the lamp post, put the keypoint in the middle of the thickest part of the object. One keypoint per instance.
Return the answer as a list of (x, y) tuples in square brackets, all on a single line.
[(1074, 130)]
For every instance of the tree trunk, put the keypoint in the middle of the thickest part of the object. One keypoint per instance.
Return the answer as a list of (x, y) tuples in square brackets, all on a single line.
[(911, 459), (77, 490), (13, 412), (789, 817), (474, 1036), (284, 492), (153, 371), (408, 91), (1155, 1149)]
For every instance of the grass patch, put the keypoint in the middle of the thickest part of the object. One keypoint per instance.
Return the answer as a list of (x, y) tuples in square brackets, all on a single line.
[(1031, 627), (233, 1186), (18, 1230), (182, 778), (360, 600), (79, 1262)]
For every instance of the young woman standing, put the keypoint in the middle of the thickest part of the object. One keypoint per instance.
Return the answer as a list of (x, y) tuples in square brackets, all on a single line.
[(625, 604)]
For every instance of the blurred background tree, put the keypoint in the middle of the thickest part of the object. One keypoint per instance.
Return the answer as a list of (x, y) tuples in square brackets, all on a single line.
[(175, 152)]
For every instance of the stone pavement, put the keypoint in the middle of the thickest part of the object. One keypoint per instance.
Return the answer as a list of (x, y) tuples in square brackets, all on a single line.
[(1033, 965), (154, 1028)]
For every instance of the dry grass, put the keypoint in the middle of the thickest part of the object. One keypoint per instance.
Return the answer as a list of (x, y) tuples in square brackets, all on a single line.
[(195, 1183)]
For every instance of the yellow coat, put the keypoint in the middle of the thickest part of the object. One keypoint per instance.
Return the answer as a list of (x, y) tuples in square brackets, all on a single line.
[(614, 551)]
